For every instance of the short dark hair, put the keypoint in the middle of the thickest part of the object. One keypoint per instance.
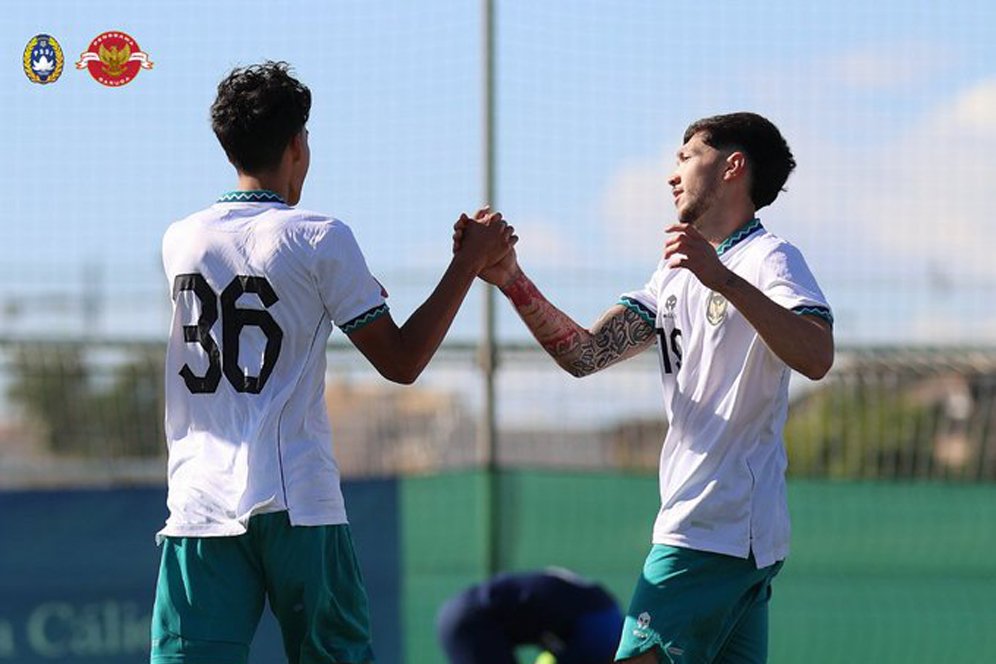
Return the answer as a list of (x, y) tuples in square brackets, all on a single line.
[(768, 154), (258, 110)]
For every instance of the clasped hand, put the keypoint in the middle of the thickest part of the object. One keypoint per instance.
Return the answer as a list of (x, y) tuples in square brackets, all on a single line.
[(501, 268)]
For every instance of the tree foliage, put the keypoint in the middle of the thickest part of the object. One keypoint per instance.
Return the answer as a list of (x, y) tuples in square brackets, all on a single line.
[(81, 405)]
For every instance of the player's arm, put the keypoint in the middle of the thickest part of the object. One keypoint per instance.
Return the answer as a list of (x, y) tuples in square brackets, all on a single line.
[(803, 342), (618, 335), (401, 353)]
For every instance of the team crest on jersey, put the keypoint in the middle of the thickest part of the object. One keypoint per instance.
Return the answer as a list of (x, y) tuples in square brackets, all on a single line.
[(716, 309), (43, 60), (642, 625), (114, 59), (669, 304)]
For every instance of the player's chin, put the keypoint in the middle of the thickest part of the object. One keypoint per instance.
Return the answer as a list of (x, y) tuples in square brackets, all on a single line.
[(687, 215)]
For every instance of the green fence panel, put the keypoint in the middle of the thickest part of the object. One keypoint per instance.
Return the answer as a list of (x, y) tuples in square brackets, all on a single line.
[(879, 572)]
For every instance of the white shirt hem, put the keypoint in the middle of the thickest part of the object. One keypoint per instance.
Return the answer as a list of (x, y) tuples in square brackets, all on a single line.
[(762, 560), (237, 527)]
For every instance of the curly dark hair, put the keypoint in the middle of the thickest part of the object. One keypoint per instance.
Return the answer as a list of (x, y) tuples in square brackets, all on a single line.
[(258, 110), (768, 154)]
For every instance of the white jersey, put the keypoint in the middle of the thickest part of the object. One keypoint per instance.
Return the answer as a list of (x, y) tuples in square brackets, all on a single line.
[(256, 287), (722, 465)]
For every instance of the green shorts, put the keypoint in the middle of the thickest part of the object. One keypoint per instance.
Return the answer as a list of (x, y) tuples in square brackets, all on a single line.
[(696, 607), (211, 592)]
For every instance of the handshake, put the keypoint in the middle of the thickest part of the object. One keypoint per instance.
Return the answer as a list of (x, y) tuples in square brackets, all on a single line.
[(488, 243)]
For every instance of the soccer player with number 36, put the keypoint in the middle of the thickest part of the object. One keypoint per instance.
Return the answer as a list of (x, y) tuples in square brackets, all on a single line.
[(732, 309), (255, 507)]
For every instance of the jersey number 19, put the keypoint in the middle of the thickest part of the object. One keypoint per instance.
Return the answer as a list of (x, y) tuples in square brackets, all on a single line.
[(675, 349)]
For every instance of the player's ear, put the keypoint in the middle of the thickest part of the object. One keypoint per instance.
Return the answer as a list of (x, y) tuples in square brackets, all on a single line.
[(736, 165), (296, 146)]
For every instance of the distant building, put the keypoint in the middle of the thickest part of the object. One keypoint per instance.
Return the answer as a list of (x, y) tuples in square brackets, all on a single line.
[(384, 429), (899, 413)]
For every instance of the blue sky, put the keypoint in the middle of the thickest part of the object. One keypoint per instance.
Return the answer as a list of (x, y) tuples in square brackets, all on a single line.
[(890, 109)]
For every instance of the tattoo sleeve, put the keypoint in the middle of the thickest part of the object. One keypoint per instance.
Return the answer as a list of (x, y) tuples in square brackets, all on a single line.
[(618, 334)]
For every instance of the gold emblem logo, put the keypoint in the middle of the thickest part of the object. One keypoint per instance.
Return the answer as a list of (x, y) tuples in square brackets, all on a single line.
[(716, 308), (114, 59)]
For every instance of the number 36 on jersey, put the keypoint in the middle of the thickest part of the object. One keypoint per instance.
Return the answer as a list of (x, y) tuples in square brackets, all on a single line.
[(223, 358)]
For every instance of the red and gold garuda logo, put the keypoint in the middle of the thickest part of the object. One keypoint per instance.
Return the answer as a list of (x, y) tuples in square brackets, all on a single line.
[(114, 59)]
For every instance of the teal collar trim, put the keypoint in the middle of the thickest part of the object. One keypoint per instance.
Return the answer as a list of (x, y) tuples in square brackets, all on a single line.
[(739, 235), (254, 196)]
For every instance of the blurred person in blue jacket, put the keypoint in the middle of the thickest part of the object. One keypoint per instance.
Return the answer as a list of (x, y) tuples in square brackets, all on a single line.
[(574, 620)]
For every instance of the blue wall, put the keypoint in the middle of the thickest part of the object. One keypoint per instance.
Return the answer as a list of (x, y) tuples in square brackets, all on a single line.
[(78, 571)]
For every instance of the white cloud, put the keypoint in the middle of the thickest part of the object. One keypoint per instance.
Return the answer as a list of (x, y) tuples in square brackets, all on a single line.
[(971, 116), (826, 83), (636, 205), (884, 66), (936, 199), (543, 243)]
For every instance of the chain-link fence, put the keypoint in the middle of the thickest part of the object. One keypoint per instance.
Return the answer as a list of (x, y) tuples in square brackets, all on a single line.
[(86, 413)]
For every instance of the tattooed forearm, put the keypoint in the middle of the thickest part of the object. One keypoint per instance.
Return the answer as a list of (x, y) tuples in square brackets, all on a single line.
[(617, 335)]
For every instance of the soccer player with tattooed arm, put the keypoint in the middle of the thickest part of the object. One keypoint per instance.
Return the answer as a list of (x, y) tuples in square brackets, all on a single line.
[(732, 309)]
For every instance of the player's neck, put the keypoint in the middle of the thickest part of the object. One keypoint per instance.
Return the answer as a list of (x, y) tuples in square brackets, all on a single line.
[(268, 182), (722, 224)]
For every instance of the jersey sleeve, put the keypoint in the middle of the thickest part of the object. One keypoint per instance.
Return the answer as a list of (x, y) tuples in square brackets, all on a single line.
[(167, 256), (643, 302), (787, 280), (351, 295)]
